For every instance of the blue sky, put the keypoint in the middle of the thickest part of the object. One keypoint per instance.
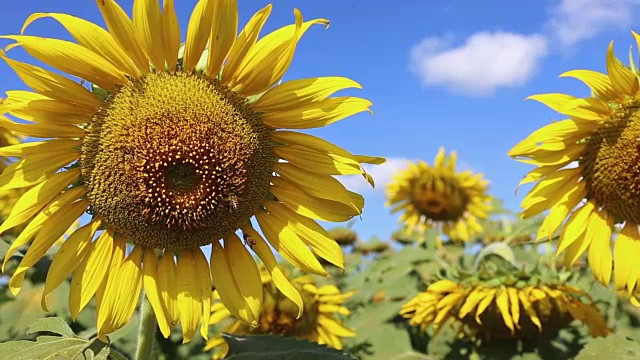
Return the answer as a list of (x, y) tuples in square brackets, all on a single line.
[(440, 73)]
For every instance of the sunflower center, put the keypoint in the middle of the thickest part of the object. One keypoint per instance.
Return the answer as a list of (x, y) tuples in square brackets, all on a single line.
[(440, 200), (175, 160), (612, 165)]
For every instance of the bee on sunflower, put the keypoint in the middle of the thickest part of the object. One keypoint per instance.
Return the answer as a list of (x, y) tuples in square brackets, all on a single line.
[(439, 197), (587, 173), (171, 154), (318, 323)]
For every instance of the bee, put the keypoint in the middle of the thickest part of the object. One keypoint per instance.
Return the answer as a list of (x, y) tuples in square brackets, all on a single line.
[(248, 240), (233, 203)]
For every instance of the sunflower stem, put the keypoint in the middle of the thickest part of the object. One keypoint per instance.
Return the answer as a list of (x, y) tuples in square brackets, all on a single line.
[(147, 330)]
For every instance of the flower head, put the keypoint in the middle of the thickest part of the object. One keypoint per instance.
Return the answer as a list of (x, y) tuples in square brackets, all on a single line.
[(437, 196), (319, 322), (587, 173), (168, 153)]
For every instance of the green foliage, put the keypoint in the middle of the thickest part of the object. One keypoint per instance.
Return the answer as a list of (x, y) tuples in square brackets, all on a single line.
[(65, 344), (271, 347), (612, 347)]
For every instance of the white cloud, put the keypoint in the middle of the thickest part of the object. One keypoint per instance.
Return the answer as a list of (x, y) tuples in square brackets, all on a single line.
[(381, 174), (485, 62), (574, 20)]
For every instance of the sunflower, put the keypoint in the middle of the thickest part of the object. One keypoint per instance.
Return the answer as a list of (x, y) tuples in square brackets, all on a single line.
[(279, 317), (171, 154), (505, 310), (439, 197), (588, 173)]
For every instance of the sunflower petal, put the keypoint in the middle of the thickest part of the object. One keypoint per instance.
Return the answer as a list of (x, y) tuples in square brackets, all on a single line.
[(71, 58), (68, 257), (123, 32), (189, 299), (151, 289), (170, 33), (224, 28), (51, 84), (92, 37), (288, 95), (198, 32), (204, 282), (317, 114), (167, 287), (277, 276), (90, 273)]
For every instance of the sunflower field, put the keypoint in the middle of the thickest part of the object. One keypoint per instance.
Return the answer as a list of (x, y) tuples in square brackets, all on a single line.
[(168, 190)]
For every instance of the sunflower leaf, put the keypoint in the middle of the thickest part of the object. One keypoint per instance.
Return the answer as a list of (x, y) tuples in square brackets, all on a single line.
[(52, 324), (270, 347)]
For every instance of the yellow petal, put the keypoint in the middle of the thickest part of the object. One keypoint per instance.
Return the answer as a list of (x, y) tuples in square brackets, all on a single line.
[(34, 170), (246, 39), (268, 60), (151, 289), (484, 304), (623, 80), (167, 286), (121, 294), (34, 199), (288, 244), (623, 254), (310, 232), (51, 84), (559, 133), (599, 256), (224, 28), (198, 33), (123, 32), (189, 299), (472, 301), (283, 284), (549, 191), (245, 273), (227, 287), (599, 83), (90, 273), (291, 93), (147, 20), (39, 147), (561, 209), (34, 226), (117, 257), (578, 247), (575, 227), (320, 186), (318, 162), (502, 302), (71, 58), (68, 257), (92, 37), (317, 114), (171, 34), (43, 130), (332, 326), (56, 225), (528, 308), (443, 286), (306, 205), (203, 275)]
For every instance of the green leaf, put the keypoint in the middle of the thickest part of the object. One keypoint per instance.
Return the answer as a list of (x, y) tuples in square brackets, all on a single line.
[(270, 347), (45, 348), (51, 324), (612, 347)]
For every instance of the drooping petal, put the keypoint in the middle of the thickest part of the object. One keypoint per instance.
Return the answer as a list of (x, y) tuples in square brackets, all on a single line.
[(189, 299), (68, 257), (90, 272)]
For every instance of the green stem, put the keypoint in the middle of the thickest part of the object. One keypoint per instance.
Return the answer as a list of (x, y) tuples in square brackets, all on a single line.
[(147, 330)]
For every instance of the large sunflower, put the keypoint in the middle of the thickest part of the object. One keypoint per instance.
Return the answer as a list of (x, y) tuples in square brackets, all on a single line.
[(280, 315), (439, 197), (588, 172), (170, 155), (503, 310)]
